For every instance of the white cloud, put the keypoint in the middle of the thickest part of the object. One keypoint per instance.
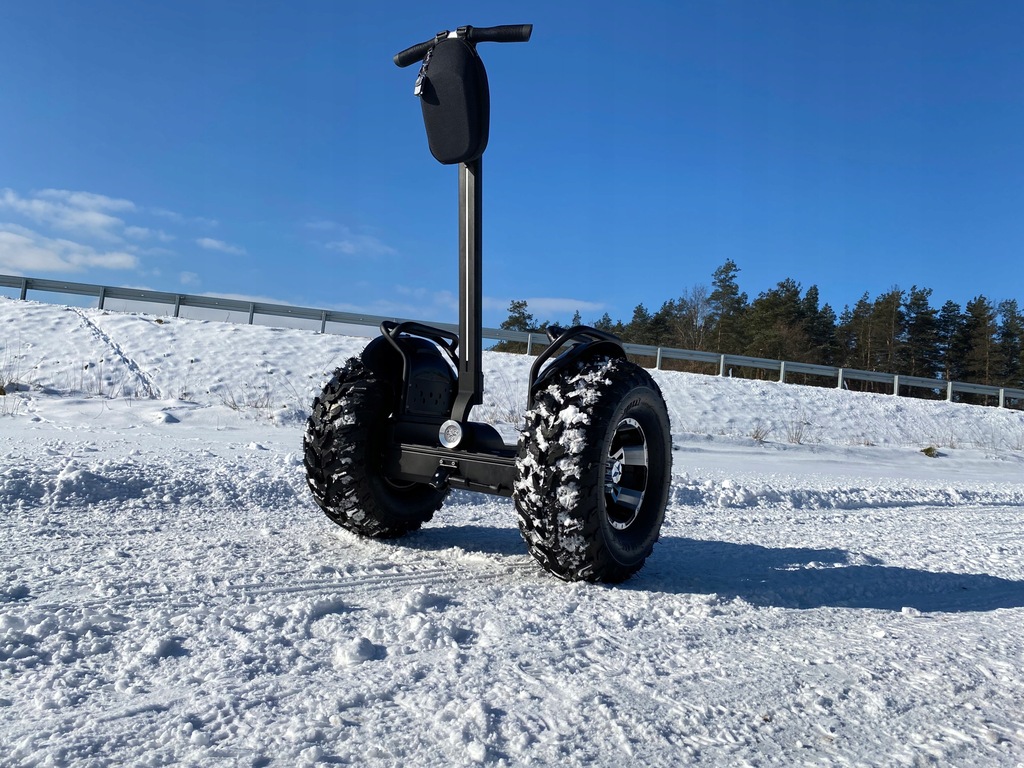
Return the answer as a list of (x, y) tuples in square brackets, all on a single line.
[(320, 225), (145, 233), (137, 233), (166, 214), (109, 260), (21, 254), (62, 230), (408, 302), (82, 213), (89, 201), (353, 244), (219, 245), (189, 278), (178, 218), (22, 250), (428, 298)]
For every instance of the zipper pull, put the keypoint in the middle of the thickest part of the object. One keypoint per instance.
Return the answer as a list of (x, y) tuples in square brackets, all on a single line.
[(421, 78)]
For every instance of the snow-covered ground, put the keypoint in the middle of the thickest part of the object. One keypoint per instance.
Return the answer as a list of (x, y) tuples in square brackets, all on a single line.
[(828, 595)]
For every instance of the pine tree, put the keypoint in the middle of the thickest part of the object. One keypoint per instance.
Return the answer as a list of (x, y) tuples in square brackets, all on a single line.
[(855, 335), (519, 319), (921, 354), (950, 325), (776, 323), (728, 309), (845, 341), (887, 330), (820, 327), (659, 330), (825, 335), (1010, 345), (605, 324), (980, 336), (637, 331)]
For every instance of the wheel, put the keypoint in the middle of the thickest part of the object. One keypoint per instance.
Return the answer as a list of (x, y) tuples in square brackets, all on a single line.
[(594, 467), (342, 448)]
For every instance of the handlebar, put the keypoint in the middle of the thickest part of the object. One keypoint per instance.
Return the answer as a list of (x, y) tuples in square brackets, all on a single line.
[(506, 33)]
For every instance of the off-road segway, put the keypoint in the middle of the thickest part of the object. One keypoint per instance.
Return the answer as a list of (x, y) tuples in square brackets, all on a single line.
[(391, 433)]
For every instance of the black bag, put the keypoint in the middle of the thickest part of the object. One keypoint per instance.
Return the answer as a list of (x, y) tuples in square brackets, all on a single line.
[(455, 102)]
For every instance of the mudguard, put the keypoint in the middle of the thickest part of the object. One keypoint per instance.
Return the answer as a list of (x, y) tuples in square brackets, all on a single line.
[(422, 374), (590, 342)]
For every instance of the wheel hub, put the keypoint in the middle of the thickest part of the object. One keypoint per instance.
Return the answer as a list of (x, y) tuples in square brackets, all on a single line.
[(626, 472)]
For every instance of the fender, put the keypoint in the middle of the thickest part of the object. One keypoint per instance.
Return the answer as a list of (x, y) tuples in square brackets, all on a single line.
[(589, 342), (418, 361)]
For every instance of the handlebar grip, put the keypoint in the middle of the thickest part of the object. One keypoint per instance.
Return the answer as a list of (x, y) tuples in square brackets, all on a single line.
[(413, 54), (506, 33)]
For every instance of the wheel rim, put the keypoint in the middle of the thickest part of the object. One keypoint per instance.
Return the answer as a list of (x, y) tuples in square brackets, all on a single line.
[(626, 471)]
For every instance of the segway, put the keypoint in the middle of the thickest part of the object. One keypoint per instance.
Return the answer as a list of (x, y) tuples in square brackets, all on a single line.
[(391, 434)]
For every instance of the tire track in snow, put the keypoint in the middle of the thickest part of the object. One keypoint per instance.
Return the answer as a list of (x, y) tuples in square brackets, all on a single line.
[(358, 584), (416, 576), (626, 716), (688, 493), (149, 387)]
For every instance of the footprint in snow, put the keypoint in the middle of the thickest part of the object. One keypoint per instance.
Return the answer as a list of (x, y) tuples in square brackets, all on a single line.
[(356, 652)]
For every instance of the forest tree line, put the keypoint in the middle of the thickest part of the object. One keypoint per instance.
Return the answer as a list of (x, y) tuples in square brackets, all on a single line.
[(898, 331)]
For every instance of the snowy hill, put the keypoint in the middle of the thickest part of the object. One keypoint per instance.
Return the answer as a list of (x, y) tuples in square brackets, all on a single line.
[(823, 593)]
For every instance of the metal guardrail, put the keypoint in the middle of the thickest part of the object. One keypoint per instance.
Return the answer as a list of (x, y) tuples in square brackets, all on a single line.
[(659, 354)]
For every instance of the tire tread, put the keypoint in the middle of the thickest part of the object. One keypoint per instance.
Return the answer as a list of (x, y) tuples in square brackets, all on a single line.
[(341, 456)]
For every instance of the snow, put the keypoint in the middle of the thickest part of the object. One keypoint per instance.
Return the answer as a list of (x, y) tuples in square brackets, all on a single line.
[(828, 595)]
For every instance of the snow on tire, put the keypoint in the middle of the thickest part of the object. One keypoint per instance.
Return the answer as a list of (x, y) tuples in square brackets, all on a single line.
[(594, 467), (342, 448)]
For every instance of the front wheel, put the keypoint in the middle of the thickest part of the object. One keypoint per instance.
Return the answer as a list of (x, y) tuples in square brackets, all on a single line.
[(594, 468), (343, 447)]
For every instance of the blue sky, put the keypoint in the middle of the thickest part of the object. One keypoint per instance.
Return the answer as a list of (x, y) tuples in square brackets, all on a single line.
[(273, 150)]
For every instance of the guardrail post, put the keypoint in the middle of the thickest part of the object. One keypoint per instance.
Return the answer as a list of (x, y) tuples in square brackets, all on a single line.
[(657, 360), (103, 296), (252, 311), (24, 288), (721, 365), (177, 305), (529, 343), (949, 391), (841, 381), (323, 321), (896, 385), (782, 372)]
